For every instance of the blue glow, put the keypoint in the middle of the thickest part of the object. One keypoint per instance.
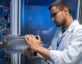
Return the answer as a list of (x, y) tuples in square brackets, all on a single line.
[(14, 18)]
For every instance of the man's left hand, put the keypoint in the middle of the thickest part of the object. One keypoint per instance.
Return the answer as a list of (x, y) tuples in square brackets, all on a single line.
[(33, 42)]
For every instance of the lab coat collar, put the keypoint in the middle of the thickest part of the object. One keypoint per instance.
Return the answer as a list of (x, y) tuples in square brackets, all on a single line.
[(69, 29), (73, 25)]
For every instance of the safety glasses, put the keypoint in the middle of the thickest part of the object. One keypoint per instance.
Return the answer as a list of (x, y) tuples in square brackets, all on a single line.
[(54, 14)]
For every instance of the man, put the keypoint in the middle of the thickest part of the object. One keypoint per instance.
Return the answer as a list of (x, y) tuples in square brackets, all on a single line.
[(68, 39)]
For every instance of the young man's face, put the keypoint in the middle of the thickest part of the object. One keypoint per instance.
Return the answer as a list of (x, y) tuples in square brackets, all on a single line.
[(58, 16)]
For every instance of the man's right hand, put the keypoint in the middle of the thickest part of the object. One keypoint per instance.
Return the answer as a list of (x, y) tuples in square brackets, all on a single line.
[(29, 53)]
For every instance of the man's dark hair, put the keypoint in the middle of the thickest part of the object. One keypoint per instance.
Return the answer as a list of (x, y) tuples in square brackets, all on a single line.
[(61, 5)]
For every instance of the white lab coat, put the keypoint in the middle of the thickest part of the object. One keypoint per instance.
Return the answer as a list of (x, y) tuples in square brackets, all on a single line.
[(70, 48)]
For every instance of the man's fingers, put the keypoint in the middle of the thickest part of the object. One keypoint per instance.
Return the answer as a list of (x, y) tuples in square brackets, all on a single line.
[(25, 52), (28, 53), (32, 36), (28, 38)]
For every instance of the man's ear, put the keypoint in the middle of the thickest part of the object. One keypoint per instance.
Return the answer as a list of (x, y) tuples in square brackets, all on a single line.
[(66, 10)]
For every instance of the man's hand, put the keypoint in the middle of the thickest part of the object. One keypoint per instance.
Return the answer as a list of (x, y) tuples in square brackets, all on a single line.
[(32, 41), (34, 44), (29, 53)]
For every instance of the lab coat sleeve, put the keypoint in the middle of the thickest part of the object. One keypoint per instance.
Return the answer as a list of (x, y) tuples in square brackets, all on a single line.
[(72, 53)]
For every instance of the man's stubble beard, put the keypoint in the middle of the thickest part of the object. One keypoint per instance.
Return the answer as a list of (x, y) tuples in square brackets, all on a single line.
[(62, 23)]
